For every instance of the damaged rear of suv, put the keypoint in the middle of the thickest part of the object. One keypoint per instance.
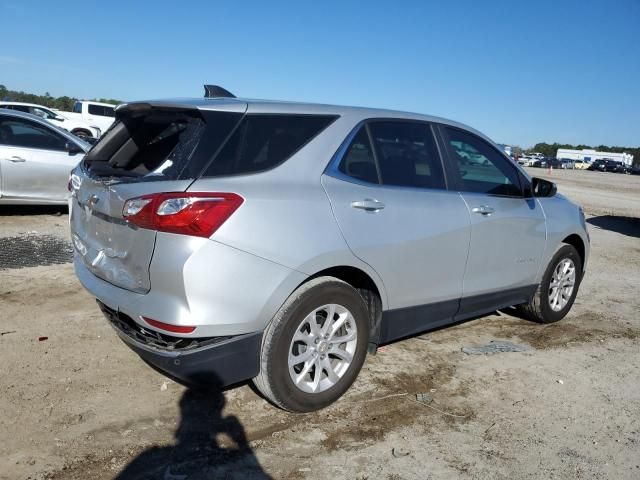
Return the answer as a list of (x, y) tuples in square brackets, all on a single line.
[(228, 239), (191, 303)]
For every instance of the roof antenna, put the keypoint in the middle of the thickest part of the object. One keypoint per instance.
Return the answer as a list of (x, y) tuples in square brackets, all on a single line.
[(214, 91)]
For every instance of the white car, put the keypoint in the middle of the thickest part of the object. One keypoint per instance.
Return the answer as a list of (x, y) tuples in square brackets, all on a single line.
[(78, 127), (36, 159), (96, 113)]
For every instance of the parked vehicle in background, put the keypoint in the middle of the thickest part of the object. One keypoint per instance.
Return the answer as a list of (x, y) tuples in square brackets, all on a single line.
[(608, 165), (635, 169), (78, 127), (598, 165), (178, 229), (581, 164), (95, 113), (35, 159), (546, 162), (619, 167), (567, 164)]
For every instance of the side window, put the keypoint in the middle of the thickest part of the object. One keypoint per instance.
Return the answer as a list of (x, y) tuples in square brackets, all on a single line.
[(101, 110), (22, 133), (407, 154), (262, 142), (20, 108), (77, 107), (358, 161), (479, 167), (96, 110)]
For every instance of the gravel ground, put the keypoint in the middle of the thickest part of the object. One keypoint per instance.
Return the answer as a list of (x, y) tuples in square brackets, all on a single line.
[(76, 403)]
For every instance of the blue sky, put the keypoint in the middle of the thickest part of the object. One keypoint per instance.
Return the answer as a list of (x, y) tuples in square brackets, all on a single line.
[(521, 72)]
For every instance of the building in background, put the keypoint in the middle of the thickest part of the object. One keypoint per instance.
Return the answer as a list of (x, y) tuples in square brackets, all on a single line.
[(589, 155)]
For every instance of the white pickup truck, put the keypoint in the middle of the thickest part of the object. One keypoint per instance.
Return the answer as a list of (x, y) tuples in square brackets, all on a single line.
[(77, 126), (97, 114)]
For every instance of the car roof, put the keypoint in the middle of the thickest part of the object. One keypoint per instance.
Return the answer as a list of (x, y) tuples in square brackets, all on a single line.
[(280, 106), (25, 104), (34, 118)]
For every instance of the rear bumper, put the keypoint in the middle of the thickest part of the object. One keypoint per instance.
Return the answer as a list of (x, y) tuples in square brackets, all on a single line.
[(221, 361)]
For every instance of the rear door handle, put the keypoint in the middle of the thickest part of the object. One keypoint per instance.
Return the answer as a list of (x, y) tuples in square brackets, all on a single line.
[(483, 210), (369, 205), (16, 159)]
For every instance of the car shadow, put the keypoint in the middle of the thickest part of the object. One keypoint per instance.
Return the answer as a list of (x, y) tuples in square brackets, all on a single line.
[(629, 226), (28, 210), (208, 445)]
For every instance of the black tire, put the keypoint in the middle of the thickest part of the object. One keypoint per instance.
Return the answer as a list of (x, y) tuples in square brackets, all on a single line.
[(538, 309), (82, 134), (274, 380)]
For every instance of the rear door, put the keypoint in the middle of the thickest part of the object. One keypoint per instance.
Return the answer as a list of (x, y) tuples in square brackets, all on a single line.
[(150, 150), (34, 162), (508, 231), (389, 197)]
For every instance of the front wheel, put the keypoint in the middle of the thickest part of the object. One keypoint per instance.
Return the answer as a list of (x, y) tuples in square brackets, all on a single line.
[(314, 347), (558, 289)]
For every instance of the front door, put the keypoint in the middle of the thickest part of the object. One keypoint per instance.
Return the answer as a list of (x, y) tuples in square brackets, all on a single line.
[(508, 231)]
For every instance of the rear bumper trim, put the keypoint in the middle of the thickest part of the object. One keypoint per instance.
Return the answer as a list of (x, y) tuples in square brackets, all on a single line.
[(221, 362)]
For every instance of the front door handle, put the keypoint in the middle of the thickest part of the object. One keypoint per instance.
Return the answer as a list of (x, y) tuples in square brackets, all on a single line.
[(16, 159), (483, 210), (369, 205)]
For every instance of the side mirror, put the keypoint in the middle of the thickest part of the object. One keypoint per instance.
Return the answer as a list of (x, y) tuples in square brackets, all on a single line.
[(543, 188), (73, 148), (59, 118)]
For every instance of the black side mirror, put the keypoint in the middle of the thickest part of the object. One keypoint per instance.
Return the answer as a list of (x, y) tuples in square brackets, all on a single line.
[(73, 148), (59, 118), (543, 188)]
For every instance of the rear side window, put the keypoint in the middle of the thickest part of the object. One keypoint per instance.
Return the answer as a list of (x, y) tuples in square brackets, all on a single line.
[(407, 154), (262, 142), (101, 110), (479, 167), (358, 161)]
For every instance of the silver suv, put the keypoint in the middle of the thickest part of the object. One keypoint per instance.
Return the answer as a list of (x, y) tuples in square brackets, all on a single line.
[(229, 239)]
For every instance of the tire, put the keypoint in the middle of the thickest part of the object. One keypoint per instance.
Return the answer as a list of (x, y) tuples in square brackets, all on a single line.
[(82, 134), (275, 380), (540, 309)]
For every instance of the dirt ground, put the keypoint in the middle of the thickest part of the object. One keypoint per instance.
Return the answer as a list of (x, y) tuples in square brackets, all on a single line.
[(81, 405)]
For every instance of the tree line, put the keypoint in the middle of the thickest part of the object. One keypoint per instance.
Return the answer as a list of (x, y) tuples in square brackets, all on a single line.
[(61, 103)]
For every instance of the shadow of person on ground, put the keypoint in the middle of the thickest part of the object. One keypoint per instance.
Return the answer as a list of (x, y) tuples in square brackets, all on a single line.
[(629, 226), (208, 445)]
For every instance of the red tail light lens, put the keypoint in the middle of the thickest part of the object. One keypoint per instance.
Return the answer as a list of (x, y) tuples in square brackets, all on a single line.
[(187, 213)]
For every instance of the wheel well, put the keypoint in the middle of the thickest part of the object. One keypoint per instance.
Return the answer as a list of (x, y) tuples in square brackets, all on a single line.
[(367, 288), (576, 242)]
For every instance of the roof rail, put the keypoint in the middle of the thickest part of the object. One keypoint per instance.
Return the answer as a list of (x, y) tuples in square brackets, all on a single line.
[(214, 91)]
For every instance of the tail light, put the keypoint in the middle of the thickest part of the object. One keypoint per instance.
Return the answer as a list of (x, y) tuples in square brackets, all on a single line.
[(187, 213)]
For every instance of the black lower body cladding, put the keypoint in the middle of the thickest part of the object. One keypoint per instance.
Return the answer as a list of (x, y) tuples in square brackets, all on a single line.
[(225, 362)]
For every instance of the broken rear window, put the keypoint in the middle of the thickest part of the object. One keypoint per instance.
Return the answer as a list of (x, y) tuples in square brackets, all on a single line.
[(160, 144)]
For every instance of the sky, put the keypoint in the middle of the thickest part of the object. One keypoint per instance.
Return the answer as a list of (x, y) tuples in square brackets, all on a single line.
[(522, 72)]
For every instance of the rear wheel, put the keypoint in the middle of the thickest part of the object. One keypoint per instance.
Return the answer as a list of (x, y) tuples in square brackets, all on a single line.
[(315, 346), (557, 291)]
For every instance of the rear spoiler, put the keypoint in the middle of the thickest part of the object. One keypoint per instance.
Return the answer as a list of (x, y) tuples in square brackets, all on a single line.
[(214, 91)]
